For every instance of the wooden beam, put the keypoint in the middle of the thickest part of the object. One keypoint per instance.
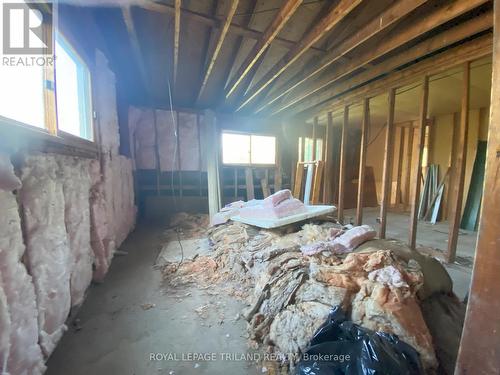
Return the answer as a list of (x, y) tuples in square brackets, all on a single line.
[(388, 17), (480, 344), (400, 164), (249, 183), (218, 46), (342, 167), (409, 158), (328, 146), (460, 161), (211, 148), (362, 160), (215, 23), (318, 175), (299, 176), (417, 174), (284, 14), (398, 38), (336, 13), (387, 169), (343, 92), (314, 129), (136, 49), (177, 33)]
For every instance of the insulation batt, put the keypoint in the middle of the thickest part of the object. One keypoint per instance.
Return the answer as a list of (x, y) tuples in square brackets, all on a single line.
[(285, 208), (48, 253), (76, 187), (5, 328), (274, 199), (343, 243), (8, 180), (25, 356), (101, 237)]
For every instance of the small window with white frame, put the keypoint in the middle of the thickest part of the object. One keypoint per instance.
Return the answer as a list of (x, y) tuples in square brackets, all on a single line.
[(248, 149)]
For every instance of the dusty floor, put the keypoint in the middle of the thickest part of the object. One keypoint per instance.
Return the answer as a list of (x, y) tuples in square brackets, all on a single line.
[(433, 236), (131, 316), (119, 331)]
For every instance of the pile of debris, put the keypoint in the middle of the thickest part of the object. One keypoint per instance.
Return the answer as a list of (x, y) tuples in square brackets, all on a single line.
[(292, 289)]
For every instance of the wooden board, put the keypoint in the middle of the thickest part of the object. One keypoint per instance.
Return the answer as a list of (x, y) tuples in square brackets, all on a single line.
[(312, 211)]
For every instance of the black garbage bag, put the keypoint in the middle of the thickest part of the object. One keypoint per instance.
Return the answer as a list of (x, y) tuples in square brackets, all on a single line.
[(342, 347)]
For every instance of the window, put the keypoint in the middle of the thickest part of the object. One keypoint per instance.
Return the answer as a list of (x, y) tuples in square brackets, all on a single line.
[(248, 149), (72, 91), (22, 86), (308, 148)]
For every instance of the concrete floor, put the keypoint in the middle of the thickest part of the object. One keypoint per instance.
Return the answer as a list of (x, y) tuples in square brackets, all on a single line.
[(433, 236), (118, 335), (114, 334)]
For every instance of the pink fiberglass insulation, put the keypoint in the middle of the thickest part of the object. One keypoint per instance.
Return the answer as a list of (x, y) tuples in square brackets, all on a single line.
[(119, 196), (274, 199), (167, 143), (189, 146), (76, 188), (5, 328), (105, 102), (8, 180), (47, 247), (285, 208), (25, 355), (141, 127), (101, 235)]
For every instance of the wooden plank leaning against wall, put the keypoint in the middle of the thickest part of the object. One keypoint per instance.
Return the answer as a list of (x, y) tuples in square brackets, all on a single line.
[(479, 350)]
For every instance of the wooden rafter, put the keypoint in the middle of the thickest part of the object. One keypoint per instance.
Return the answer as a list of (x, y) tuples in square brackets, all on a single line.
[(336, 13), (388, 17), (218, 46), (177, 34), (134, 42), (213, 22), (362, 160), (397, 39), (328, 98), (284, 14)]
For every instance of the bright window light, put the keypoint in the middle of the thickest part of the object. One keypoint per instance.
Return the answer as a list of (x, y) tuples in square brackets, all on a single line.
[(72, 91), (235, 148), (263, 149), (248, 149)]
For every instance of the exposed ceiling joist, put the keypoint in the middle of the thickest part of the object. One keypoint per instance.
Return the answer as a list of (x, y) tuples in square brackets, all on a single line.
[(336, 13), (213, 22), (397, 39), (388, 17), (331, 99), (284, 14), (220, 40), (134, 42), (177, 33)]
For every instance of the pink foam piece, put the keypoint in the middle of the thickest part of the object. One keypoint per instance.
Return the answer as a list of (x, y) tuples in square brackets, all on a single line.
[(286, 208), (278, 197), (24, 355), (47, 246)]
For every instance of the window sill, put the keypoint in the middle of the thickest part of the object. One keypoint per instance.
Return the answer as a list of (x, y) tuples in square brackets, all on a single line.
[(16, 136)]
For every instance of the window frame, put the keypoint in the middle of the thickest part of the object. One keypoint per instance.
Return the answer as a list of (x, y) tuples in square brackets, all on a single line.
[(16, 135), (88, 90), (250, 134)]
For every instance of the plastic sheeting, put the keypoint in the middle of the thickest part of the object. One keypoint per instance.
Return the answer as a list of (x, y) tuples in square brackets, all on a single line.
[(178, 139)]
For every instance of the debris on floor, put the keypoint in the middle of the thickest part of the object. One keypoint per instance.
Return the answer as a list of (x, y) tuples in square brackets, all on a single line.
[(291, 292)]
